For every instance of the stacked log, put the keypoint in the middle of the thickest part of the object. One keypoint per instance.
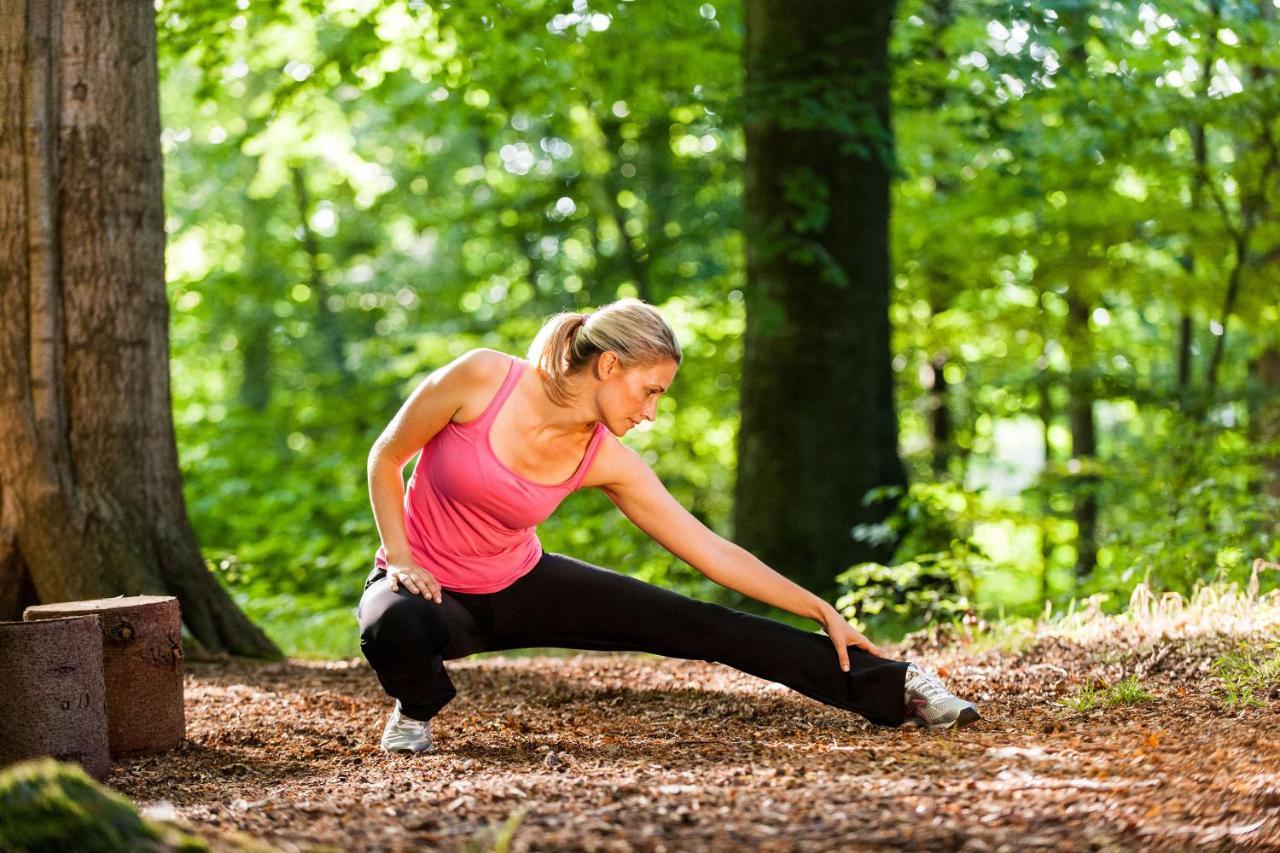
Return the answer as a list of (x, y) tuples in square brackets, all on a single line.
[(52, 692), (141, 638)]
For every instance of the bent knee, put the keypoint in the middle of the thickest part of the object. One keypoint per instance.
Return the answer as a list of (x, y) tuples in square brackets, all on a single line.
[(408, 624)]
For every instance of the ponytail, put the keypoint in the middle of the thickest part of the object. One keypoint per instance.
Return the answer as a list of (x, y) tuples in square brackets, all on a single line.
[(569, 342)]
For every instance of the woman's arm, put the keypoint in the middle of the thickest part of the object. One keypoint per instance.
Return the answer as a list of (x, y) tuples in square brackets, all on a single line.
[(637, 491), (631, 484), (429, 408), (386, 493)]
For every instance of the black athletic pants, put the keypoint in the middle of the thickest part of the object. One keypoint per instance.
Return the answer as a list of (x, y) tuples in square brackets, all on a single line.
[(567, 603)]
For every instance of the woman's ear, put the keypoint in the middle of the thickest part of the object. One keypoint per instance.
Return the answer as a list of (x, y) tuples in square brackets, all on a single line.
[(606, 363)]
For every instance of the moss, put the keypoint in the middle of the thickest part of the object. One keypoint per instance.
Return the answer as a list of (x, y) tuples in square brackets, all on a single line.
[(46, 805)]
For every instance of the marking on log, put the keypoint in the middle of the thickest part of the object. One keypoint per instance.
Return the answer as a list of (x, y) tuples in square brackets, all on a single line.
[(78, 703)]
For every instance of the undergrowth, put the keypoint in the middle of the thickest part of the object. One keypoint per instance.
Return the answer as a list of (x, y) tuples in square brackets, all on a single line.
[(1249, 674), (1127, 692)]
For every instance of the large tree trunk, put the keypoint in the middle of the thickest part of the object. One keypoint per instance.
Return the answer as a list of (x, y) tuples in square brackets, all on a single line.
[(818, 424), (91, 492)]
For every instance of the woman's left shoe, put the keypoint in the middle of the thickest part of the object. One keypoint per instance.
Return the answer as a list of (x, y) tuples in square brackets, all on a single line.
[(931, 705), (403, 734)]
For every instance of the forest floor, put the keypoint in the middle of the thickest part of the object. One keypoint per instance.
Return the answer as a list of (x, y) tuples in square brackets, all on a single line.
[(613, 751)]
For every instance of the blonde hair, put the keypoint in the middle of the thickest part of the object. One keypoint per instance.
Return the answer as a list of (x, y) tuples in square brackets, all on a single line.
[(569, 342)]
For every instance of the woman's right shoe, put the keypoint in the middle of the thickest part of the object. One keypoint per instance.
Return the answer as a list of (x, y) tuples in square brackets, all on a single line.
[(403, 734), (931, 705)]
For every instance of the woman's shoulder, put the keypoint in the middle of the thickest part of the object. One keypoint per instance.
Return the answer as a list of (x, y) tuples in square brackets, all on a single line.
[(484, 370), (484, 360), (610, 460)]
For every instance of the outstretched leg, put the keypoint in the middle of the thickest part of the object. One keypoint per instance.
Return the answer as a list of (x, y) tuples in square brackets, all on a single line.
[(568, 603)]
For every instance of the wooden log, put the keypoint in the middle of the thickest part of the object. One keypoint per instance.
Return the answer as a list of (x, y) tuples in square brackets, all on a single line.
[(52, 693), (142, 665)]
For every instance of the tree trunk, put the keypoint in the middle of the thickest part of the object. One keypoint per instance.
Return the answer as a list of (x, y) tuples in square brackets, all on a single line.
[(327, 322), (1045, 412), (939, 412), (1084, 442), (254, 319), (1186, 332), (818, 424), (1266, 420), (92, 496)]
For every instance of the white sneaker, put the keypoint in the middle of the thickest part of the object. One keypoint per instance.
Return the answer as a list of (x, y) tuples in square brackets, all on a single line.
[(931, 705), (403, 734)]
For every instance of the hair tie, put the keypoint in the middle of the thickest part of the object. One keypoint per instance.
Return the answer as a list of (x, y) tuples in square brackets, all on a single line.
[(586, 317)]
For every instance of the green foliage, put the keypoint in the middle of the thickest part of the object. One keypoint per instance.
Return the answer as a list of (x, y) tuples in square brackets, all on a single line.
[(1126, 692), (356, 194), (936, 562), (903, 595), (1184, 504), (46, 805), (1250, 674)]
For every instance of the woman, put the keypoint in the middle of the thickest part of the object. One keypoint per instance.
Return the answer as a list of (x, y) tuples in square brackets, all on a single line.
[(503, 441)]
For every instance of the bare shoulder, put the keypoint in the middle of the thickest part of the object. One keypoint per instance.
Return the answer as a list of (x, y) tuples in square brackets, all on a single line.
[(483, 371), (451, 392), (614, 466)]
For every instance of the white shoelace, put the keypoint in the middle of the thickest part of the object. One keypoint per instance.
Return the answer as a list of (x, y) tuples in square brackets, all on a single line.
[(926, 683)]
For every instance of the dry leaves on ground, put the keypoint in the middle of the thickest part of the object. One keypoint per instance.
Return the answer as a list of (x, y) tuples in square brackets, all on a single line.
[(618, 752)]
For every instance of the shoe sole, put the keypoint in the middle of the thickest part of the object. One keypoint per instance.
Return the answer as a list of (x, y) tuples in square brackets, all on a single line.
[(409, 749), (964, 718)]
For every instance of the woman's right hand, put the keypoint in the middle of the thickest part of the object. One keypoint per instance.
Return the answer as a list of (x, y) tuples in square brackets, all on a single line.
[(413, 578)]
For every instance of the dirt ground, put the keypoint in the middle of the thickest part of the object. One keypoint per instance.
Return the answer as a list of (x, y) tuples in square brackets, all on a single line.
[(603, 751)]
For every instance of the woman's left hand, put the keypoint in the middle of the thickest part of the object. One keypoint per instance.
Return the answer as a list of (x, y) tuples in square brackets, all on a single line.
[(843, 635)]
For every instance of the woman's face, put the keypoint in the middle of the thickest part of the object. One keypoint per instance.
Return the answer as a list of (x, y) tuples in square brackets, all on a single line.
[(630, 396)]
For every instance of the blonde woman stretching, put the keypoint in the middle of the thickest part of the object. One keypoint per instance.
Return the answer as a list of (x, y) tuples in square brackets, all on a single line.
[(461, 571)]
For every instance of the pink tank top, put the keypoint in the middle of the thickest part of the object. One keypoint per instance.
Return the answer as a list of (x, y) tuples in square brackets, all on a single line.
[(469, 518)]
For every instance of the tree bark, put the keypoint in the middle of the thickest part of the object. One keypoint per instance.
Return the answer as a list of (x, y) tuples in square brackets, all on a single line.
[(818, 424), (1186, 333), (92, 495), (52, 693), (1045, 412), (1084, 441), (1266, 420), (141, 662), (939, 413)]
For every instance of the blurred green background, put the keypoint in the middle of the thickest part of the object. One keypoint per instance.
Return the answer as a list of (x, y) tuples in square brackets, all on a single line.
[(357, 192)]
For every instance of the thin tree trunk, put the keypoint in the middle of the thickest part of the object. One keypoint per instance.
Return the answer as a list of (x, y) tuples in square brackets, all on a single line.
[(254, 316), (1228, 309), (818, 424), (1199, 158), (1266, 420), (1084, 443), (1045, 412), (92, 496), (326, 320), (938, 403), (1254, 204), (1186, 331)]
